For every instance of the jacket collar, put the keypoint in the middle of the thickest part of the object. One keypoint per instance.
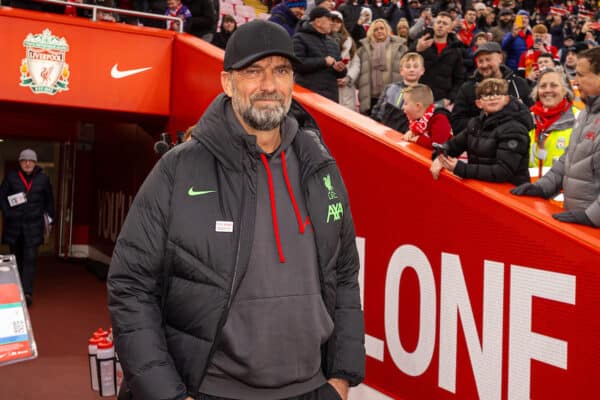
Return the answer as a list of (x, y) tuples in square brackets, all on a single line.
[(592, 104)]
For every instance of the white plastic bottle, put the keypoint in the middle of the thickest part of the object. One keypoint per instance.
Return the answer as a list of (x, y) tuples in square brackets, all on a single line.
[(119, 372), (106, 369), (92, 353)]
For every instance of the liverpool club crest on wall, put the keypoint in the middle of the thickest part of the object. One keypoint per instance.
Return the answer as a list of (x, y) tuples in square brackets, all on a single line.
[(44, 68)]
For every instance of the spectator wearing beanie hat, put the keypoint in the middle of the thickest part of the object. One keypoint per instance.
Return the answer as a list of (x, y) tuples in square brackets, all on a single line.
[(28, 208), (288, 14), (518, 40)]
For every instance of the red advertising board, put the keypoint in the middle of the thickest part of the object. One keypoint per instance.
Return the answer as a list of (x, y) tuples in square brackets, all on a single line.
[(469, 292), (66, 61)]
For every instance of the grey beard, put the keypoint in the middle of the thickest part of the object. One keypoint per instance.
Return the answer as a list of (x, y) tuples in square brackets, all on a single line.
[(263, 120)]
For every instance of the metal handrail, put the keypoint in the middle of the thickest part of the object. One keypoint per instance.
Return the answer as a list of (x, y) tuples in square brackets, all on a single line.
[(120, 11)]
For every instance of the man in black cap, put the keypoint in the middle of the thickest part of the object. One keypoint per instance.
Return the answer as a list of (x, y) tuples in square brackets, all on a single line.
[(488, 57), (320, 64), (28, 208), (505, 23), (235, 273)]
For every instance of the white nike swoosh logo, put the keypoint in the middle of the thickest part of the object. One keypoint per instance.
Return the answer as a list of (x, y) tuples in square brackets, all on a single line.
[(115, 73)]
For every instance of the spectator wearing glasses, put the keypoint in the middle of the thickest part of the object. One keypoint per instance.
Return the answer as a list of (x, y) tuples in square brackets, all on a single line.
[(496, 142), (489, 65)]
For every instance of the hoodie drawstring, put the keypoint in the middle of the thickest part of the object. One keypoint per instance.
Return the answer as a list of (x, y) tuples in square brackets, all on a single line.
[(291, 192), (274, 206)]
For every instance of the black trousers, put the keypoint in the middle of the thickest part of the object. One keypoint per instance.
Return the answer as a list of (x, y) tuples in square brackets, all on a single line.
[(325, 392), (26, 257)]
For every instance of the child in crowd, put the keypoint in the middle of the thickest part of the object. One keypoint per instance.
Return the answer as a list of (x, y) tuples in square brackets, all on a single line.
[(428, 122), (388, 109), (497, 141), (176, 9)]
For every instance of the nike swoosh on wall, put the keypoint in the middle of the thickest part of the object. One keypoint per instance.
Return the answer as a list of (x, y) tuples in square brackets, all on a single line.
[(116, 74)]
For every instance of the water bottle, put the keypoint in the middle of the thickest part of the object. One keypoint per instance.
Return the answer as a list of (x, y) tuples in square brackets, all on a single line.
[(105, 360), (119, 372), (92, 353)]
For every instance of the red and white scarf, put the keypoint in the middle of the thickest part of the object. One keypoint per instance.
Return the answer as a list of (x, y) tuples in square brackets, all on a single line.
[(419, 126), (545, 117), (466, 33)]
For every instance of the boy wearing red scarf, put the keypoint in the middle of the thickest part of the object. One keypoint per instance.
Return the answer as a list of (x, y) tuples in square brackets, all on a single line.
[(428, 123)]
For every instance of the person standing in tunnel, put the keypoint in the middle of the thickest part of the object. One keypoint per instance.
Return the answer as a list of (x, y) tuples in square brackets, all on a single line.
[(28, 208)]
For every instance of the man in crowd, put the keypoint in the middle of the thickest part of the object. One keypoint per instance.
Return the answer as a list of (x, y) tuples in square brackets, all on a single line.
[(351, 10), (504, 26), (575, 172), (468, 27), (28, 208), (287, 14), (489, 65), (320, 63), (516, 42), (444, 70), (544, 61), (529, 59), (235, 275)]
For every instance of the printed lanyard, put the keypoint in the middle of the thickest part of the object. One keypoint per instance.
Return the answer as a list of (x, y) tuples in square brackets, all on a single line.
[(27, 185)]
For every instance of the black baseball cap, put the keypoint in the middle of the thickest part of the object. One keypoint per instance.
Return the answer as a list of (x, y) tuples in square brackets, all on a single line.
[(256, 40), (319, 12)]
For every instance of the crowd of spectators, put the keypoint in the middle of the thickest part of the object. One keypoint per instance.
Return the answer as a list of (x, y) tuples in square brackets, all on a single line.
[(199, 17), (494, 79), (488, 85)]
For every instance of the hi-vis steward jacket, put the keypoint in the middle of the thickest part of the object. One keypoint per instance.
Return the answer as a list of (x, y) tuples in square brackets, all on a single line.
[(553, 142), (170, 233)]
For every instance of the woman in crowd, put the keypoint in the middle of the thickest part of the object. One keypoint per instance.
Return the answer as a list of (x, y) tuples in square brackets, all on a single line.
[(228, 26), (554, 116), (380, 56), (346, 87), (402, 28)]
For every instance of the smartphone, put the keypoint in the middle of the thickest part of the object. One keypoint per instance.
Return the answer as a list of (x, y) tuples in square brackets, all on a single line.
[(519, 21), (428, 31), (440, 148)]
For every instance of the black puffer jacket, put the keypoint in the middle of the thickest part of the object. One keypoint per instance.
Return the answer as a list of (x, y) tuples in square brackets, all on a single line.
[(497, 146), (464, 103), (171, 233), (311, 48), (444, 72), (27, 217)]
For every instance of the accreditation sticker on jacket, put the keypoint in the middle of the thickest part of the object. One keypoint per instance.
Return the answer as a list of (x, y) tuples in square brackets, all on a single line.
[(16, 336)]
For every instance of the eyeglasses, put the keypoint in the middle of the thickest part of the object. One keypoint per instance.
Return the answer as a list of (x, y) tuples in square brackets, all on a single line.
[(490, 96)]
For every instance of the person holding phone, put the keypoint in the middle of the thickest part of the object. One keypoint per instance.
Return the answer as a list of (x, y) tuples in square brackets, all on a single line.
[(515, 42), (444, 67), (321, 62), (528, 62)]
